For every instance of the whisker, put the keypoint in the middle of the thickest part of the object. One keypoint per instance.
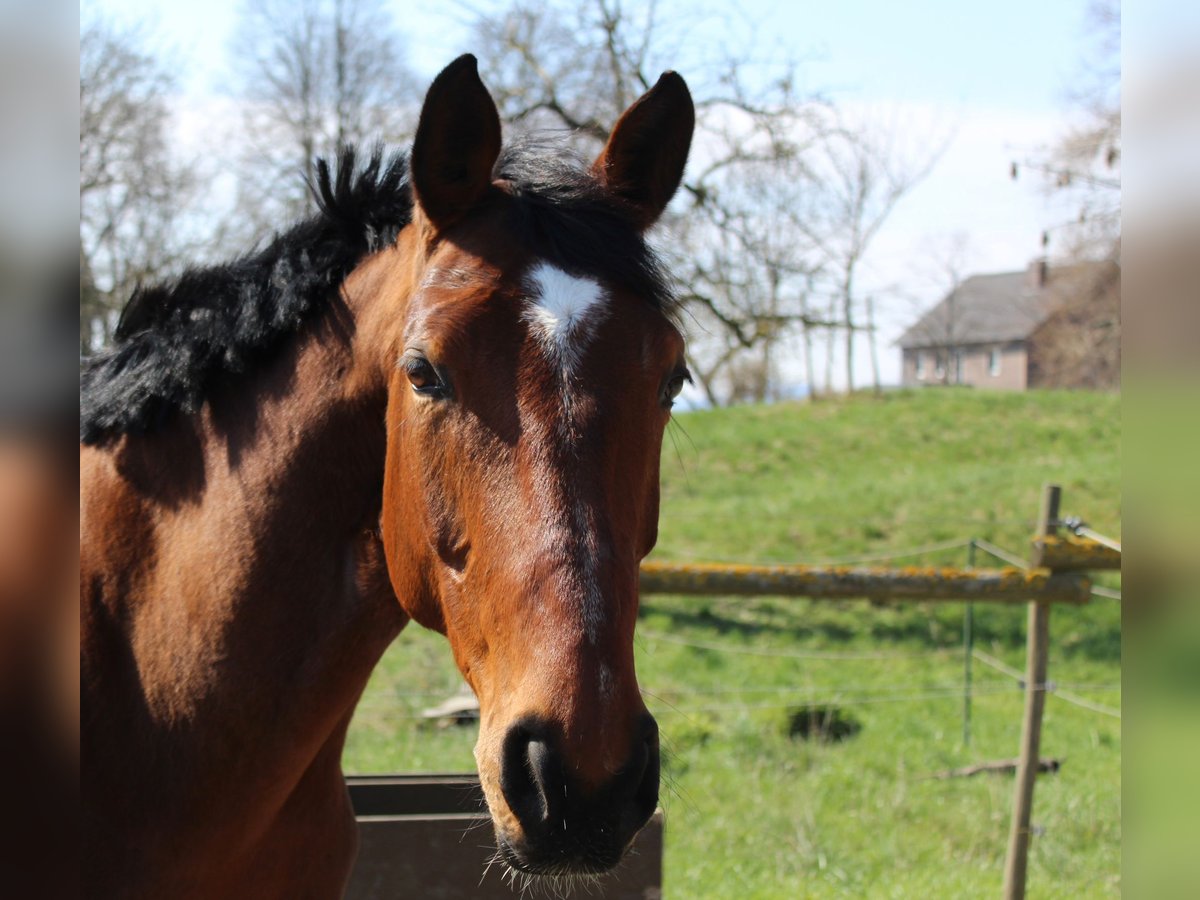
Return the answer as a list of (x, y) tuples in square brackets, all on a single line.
[(475, 825), (492, 860), (672, 783), (671, 426), (684, 432)]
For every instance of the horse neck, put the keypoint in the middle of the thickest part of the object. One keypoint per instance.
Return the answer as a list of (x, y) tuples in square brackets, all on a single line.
[(259, 596)]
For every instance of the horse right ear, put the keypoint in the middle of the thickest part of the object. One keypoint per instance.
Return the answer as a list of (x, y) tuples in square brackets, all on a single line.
[(457, 143), (644, 158)]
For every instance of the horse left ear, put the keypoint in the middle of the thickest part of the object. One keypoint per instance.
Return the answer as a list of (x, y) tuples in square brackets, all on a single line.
[(644, 158), (456, 145)]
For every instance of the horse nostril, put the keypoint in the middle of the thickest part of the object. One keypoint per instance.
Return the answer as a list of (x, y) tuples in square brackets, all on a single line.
[(646, 793), (561, 818), (541, 769), (566, 821), (531, 778)]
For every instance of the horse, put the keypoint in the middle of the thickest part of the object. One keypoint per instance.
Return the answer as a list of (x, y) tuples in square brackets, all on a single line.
[(440, 398)]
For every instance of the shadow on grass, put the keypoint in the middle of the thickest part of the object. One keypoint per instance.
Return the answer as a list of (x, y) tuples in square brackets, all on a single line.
[(935, 627)]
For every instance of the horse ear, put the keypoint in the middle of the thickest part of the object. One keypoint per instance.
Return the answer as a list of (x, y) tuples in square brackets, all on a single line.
[(457, 142), (644, 158)]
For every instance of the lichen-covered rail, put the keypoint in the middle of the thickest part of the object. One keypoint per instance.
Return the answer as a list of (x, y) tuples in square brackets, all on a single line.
[(1071, 553), (1007, 585)]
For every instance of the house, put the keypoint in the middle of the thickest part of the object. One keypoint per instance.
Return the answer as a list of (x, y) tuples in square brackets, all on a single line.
[(1048, 326)]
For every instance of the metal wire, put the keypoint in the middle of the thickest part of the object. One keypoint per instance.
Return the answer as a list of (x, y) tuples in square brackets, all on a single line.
[(837, 698), (989, 660), (1077, 526), (1000, 553), (785, 654), (1087, 704), (855, 560), (1051, 687)]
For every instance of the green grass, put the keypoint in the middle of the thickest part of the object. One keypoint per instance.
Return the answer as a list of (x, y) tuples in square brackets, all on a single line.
[(752, 812)]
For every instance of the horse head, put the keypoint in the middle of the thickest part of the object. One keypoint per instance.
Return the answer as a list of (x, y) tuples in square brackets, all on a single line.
[(535, 364)]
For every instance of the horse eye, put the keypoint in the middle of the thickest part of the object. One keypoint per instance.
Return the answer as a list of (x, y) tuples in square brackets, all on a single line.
[(423, 376), (673, 386)]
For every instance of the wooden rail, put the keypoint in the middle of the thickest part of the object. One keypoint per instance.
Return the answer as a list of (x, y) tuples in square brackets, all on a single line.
[(1069, 553), (1009, 585)]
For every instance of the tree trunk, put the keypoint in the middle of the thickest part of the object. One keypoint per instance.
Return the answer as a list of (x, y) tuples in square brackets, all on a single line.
[(848, 320), (705, 379), (810, 375), (830, 342), (873, 345), (849, 354), (339, 65)]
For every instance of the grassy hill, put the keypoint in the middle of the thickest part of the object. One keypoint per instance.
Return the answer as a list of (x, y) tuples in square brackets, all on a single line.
[(753, 811)]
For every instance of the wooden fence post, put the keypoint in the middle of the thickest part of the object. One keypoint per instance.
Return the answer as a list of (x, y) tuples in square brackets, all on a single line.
[(968, 652), (1038, 641)]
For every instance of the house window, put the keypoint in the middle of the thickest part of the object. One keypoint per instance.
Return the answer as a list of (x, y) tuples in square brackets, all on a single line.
[(958, 366), (920, 366), (994, 362), (939, 368)]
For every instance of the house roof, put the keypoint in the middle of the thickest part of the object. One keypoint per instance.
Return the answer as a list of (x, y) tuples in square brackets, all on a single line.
[(1007, 306)]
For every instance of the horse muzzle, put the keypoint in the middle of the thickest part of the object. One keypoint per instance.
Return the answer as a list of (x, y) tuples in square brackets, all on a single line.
[(565, 828)]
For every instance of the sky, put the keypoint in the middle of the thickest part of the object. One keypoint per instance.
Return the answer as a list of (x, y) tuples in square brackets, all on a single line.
[(994, 77)]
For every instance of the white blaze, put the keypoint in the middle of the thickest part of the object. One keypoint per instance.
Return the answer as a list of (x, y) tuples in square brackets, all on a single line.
[(563, 312)]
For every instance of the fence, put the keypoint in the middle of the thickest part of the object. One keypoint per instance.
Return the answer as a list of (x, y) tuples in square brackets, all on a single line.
[(434, 831), (1053, 574), (407, 821)]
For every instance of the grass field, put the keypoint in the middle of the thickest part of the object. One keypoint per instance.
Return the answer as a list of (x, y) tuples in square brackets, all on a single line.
[(754, 812)]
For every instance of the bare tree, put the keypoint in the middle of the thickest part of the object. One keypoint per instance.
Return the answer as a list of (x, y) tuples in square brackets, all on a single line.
[(863, 175), (943, 266), (1084, 166), (752, 276), (314, 75), (1080, 346), (130, 187), (744, 265), (1079, 343)]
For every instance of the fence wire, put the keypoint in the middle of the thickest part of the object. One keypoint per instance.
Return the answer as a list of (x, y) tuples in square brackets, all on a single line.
[(812, 695), (1050, 687), (818, 695), (903, 553), (787, 654), (840, 699)]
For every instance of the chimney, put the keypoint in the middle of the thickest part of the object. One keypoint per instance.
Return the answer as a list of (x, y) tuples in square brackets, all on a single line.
[(1038, 274)]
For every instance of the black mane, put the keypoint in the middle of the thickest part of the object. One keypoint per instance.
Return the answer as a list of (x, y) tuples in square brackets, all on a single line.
[(173, 340)]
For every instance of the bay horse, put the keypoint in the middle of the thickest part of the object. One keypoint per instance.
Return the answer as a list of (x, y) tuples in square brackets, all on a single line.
[(441, 398)]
